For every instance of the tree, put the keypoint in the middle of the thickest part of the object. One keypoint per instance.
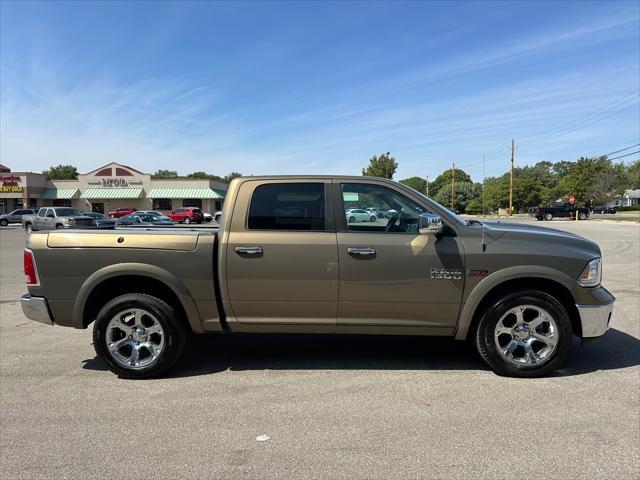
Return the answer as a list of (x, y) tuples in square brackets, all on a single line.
[(231, 176), (165, 174), (204, 176), (62, 172), (419, 184), (443, 181), (465, 192), (383, 166)]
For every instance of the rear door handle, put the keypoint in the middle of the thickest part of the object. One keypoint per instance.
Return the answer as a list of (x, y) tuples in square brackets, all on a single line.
[(362, 251), (248, 250)]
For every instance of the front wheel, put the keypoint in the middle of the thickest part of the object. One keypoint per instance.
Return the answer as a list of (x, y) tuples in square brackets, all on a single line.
[(4, 222), (138, 336), (524, 334), (28, 228), (187, 221), (352, 219), (372, 219)]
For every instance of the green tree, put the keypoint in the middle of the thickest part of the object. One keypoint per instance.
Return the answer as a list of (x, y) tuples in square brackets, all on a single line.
[(62, 172), (204, 176), (231, 176), (419, 184), (165, 174), (465, 192), (384, 166), (443, 181), (580, 180)]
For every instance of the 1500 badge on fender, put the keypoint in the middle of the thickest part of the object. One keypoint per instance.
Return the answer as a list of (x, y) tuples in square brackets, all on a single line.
[(445, 274)]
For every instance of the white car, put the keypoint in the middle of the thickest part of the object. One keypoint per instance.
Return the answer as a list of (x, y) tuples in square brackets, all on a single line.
[(359, 215)]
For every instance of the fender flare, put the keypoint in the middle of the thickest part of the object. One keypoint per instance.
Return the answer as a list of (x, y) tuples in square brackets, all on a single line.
[(501, 276), (141, 270)]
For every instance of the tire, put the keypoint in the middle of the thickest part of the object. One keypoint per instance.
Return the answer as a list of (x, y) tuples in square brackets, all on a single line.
[(548, 216), (582, 216), (169, 340), (372, 219), (352, 219), (29, 228), (59, 226), (3, 223), (187, 220), (112, 216), (493, 346)]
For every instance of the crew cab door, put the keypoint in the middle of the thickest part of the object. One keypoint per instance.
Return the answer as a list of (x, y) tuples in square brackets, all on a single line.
[(281, 257), (390, 274)]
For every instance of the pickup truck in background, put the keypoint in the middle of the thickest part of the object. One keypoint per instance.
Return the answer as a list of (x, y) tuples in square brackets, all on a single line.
[(50, 218), (285, 259), (560, 211)]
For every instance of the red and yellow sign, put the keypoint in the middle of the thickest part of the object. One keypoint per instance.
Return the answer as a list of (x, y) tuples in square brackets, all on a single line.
[(10, 184)]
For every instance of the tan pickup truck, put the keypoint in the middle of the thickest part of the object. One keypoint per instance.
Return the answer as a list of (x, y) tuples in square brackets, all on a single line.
[(286, 259)]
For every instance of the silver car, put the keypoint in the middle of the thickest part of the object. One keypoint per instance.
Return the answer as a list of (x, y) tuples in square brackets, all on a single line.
[(15, 216)]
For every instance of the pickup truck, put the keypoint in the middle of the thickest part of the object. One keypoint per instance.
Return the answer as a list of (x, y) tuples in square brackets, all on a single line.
[(285, 259), (560, 211), (50, 218)]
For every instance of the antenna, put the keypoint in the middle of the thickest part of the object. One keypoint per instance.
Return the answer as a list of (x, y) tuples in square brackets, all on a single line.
[(484, 179)]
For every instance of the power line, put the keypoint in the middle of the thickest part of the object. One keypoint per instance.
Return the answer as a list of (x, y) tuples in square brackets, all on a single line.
[(622, 156), (621, 150)]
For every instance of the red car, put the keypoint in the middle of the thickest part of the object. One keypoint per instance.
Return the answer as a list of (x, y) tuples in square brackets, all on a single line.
[(187, 215), (121, 212)]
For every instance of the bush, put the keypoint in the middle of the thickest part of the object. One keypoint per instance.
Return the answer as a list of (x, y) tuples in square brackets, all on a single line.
[(632, 208)]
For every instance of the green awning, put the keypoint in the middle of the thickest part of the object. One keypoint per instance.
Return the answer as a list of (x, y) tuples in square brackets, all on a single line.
[(62, 193), (100, 193), (184, 193)]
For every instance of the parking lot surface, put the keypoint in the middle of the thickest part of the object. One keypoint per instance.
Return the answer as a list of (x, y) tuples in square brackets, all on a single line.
[(332, 406)]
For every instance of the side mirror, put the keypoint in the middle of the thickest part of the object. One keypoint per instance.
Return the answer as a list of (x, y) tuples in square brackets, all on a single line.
[(429, 224)]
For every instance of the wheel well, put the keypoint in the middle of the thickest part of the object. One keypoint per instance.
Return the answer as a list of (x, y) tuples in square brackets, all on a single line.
[(115, 286), (553, 288)]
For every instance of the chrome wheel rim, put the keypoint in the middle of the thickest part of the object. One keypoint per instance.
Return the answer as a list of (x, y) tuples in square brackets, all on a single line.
[(135, 338), (526, 335)]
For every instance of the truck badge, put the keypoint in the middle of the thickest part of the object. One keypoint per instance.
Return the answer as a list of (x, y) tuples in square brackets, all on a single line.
[(445, 274)]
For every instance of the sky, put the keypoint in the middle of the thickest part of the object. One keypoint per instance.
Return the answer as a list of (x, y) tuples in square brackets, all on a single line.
[(316, 87)]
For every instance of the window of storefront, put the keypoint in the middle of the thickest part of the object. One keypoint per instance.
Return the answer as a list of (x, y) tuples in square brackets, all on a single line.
[(162, 204), (33, 203), (61, 202), (192, 202)]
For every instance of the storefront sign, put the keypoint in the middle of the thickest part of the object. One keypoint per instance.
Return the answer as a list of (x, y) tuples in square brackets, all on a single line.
[(114, 182), (10, 184)]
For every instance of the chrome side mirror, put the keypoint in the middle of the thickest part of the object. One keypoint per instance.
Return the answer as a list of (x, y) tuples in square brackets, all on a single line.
[(429, 224)]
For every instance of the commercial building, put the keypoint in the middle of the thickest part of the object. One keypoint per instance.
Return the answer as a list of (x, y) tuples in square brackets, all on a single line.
[(108, 188)]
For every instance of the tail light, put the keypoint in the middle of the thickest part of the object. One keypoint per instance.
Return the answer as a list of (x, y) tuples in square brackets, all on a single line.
[(30, 269)]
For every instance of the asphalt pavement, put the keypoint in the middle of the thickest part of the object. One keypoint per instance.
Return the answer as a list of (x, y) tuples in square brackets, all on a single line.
[(332, 406)]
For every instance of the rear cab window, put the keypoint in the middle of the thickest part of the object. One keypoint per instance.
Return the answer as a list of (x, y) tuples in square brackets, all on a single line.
[(288, 206)]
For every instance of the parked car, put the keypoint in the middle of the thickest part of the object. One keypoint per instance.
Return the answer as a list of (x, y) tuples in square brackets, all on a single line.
[(561, 211), (378, 212), (49, 218), (207, 217), (518, 292), (604, 209), (217, 217), (100, 219), (136, 219), (359, 215), (149, 212), (121, 212), (187, 215), (15, 216)]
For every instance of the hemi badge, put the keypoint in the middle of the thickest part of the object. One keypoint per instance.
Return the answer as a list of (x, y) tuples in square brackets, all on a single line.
[(478, 272)]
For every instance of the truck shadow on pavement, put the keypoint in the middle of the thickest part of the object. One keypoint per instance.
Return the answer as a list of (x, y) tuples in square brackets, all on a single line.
[(208, 354)]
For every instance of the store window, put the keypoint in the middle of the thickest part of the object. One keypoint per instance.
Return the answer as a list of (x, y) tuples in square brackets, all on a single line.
[(121, 172), (192, 202), (287, 206), (162, 204), (60, 202), (33, 203)]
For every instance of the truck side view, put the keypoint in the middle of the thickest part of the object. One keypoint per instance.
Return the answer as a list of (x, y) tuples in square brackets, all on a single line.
[(561, 211), (285, 259), (51, 218)]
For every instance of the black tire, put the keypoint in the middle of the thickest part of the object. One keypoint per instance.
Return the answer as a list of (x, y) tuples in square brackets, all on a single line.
[(582, 216), (173, 329), (373, 219), (3, 223), (548, 216), (59, 226), (486, 343), (187, 221), (352, 219), (29, 228)]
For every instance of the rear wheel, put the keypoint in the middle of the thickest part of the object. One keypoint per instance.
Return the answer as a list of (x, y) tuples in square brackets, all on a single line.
[(187, 220), (524, 334), (28, 228), (372, 219), (548, 216), (4, 222), (582, 216), (352, 219), (138, 336)]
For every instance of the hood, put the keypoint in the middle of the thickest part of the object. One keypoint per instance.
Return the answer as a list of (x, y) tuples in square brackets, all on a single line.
[(531, 233)]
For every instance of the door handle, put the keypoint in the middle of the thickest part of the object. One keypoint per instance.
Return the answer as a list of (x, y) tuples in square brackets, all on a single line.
[(248, 250), (363, 251)]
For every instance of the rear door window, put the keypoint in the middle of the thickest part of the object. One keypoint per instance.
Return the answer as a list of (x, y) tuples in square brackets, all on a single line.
[(288, 206)]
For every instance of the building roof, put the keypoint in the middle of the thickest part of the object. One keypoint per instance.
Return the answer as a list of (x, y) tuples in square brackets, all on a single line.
[(4, 169), (633, 193)]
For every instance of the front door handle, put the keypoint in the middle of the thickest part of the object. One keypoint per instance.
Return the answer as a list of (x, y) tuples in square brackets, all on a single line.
[(363, 251), (248, 250)]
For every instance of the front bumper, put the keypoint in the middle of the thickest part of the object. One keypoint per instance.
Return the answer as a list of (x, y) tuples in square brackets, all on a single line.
[(36, 308), (595, 319)]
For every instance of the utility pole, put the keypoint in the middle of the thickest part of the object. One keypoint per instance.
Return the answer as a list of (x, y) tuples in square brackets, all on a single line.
[(453, 181), (484, 176), (513, 147), (427, 185)]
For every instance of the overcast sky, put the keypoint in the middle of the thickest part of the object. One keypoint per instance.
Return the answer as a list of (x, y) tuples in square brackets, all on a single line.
[(275, 88)]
